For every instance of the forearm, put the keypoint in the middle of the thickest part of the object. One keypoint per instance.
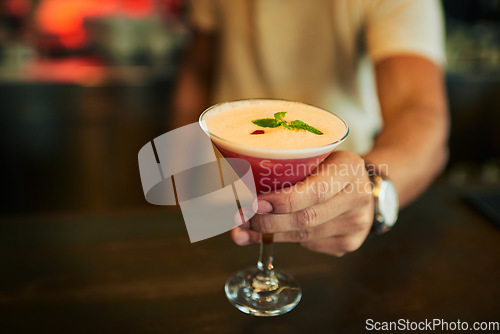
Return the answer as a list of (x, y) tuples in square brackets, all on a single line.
[(193, 87), (413, 143), (190, 98), (412, 150)]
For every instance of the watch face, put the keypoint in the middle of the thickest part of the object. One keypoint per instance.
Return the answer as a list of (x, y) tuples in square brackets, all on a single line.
[(388, 202)]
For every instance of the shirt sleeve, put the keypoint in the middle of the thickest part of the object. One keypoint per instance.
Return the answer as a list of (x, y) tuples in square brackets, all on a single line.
[(202, 14), (405, 27)]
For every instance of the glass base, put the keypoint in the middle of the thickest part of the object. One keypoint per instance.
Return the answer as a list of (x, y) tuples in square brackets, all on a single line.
[(253, 293)]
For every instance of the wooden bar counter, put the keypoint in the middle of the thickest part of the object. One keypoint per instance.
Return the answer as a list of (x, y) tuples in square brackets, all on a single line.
[(137, 272)]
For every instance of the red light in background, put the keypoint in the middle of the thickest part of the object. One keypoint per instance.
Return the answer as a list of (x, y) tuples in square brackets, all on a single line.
[(137, 8), (65, 18), (18, 7)]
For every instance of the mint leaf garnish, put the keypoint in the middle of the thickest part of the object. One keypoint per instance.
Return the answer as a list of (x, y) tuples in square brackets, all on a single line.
[(266, 122), (280, 116), (299, 125), (279, 119)]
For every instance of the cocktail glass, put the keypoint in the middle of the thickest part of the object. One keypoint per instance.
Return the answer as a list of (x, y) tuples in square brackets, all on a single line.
[(266, 291)]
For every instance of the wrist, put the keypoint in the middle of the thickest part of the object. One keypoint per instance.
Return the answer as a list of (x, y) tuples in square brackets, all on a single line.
[(386, 201)]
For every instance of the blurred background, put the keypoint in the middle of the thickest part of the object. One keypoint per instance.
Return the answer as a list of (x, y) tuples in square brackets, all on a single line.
[(85, 83)]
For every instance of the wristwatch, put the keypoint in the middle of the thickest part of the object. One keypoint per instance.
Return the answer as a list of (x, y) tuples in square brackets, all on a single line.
[(386, 203)]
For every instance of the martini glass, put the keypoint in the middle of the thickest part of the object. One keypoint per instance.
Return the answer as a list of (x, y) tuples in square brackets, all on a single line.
[(264, 290)]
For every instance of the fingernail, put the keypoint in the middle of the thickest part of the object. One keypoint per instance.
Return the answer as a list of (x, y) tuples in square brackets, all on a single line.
[(241, 237), (261, 206)]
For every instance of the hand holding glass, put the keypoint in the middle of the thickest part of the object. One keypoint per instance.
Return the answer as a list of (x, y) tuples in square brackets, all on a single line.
[(280, 157)]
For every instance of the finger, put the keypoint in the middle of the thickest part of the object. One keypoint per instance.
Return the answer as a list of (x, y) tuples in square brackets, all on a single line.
[(347, 224), (325, 182), (353, 197), (244, 237), (300, 220)]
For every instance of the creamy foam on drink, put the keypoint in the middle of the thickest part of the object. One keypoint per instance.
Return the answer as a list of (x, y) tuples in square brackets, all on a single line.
[(232, 122)]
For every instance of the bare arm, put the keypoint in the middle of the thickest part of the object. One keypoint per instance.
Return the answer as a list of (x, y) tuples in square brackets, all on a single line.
[(413, 142), (191, 95)]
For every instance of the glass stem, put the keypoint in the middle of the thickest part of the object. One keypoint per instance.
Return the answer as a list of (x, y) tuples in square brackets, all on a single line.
[(265, 266)]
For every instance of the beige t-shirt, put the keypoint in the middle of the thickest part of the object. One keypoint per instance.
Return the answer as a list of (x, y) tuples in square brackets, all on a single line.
[(317, 51)]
